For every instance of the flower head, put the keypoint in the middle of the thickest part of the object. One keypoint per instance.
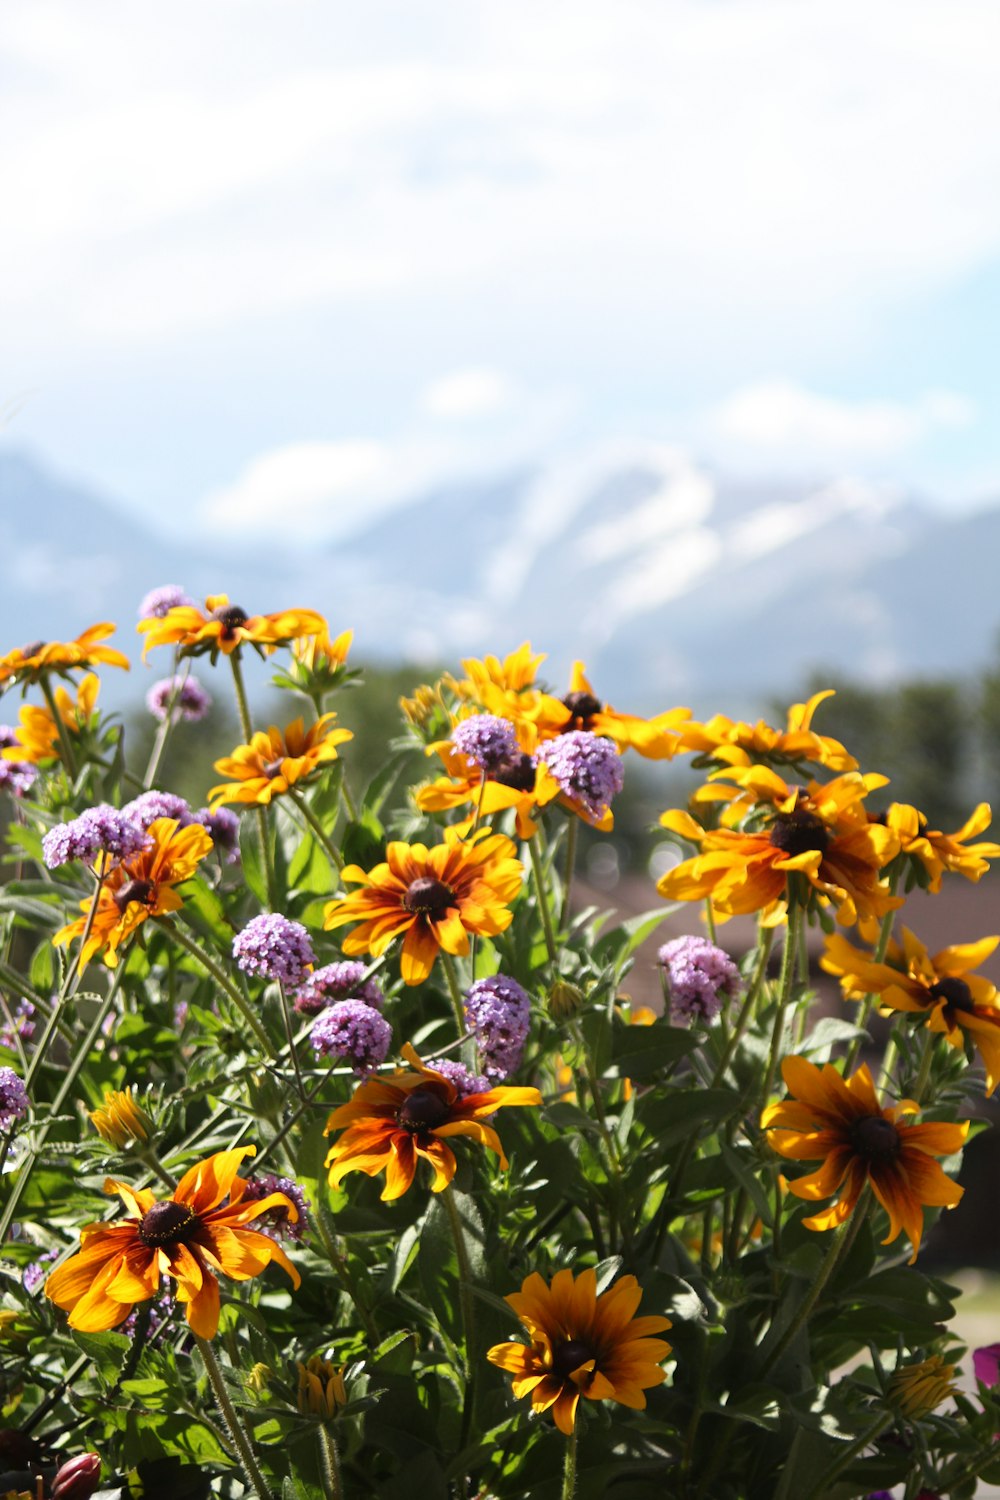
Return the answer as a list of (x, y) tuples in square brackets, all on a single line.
[(274, 948), (273, 762), (40, 733), (120, 1119), (934, 852), (17, 776), (178, 697), (344, 980), (457, 1073), (99, 830), (19, 1024), (498, 1013), (158, 603), (841, 1121), (225, 627), (321, 1388), (698, 976), (393, 1122), (148, 806), (224, 829), (655, 739), (582, 1344), (490, 743), (279, 1222), (31, 663), (354, 1032), (589, 771), (190, 1237), (737, 744), (432, 898), (986, 1364), (13, 1099), (915, 1390)]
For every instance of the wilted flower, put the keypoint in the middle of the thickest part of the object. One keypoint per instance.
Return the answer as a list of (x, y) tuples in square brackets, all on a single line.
[(13, 1099), (98, 830), (354, 1032), (120, 1119), (180, 697), (498, 1013), (274, 948), (698, 975)]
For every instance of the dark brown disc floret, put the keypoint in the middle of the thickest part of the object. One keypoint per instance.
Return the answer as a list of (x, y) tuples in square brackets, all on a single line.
[(230, 617), (133, 890), (569, 1356), (954, 992), (427, 897), (166, 1223), (520, 776), (583, 707), (33, 649), (272, 768), (421, 1111), (800, 832), (875, 1139)]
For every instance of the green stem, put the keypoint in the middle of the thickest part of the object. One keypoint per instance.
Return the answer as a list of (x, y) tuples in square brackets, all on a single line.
[(542, 897), (455, 993), (569, 1467), (924, 1074), (849, 1455), (467, 1308), (64, 739), (569, 867), (317, 828), (709, 919), (842, 1242), (785, 984), (290, 1033), (330, 1462), (746, 1010), (235, 1428), (342, 1269), (878, 956), (348, 800), (223, 981), (246, 724), (163, 733)]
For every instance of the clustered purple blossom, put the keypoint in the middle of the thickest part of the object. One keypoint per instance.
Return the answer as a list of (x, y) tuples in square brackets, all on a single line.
[(354, 1032), (487, 741), (34, 1274), (465, 1081), (275, 948), (183, 697), (20, 1024), (224, 828), (277, 1222), (98, 830), (587, 767), (148, 806), (498, 1013), (698, 976), (13, 1099), (16, 776), (159, 602), (340, 981)]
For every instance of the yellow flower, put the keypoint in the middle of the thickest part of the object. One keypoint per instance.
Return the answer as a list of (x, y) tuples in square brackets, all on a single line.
[(915, 1390), (738, 744), (121, 1120), (318, 653), (272, 762), (321, 1388), (30, 663), (582, 1344), (225, 627), (938, 852), (38, 733), (655, 739)]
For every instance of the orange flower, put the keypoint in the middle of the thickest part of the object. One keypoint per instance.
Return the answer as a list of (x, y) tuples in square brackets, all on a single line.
[(38, 734), (582, 1344), (523, 786), (655, 739), (841, 1121), (962, 1006), (436, 897), (226, 626), (272, 763), (392, 1122), (29, 663), (140, 887), (189, 1237), (937, 851), (739, 744)]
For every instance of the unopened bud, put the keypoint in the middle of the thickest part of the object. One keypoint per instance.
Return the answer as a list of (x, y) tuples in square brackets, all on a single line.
[(78, 1479), (120, 1120), (915, 1390), (564, 1000), (321, 1388)]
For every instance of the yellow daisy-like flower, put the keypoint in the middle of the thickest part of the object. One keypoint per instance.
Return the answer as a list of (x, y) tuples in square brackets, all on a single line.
[(738, 744), (937, 851), (273, 762), (37, 731), (841, 1121), (582, 1344), (138, 888), (955, 1002), (321, 1388), (120, 1119), (29, 663), (658, 738), (431, 898), (191, 1237), (318, 653), (225, 627)]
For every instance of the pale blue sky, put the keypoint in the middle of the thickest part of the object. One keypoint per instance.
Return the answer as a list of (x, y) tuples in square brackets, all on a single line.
[(263, 256)]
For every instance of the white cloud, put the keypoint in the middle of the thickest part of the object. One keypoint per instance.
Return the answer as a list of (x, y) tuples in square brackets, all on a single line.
[(467, 394), (298, 486)]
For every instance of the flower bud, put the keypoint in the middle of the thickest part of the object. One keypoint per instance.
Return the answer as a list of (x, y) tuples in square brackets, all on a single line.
[(321, 1388), (915, 1390), (260, 1377), (77, 1479), (121, 1121), (564, 1000)]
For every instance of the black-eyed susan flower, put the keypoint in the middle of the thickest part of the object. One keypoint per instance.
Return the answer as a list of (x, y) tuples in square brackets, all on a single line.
[(431, 898), (273, 762), (30, 663), (191, 1237), (120, 1119), (321, 1390), (225, 627), (941, 987), (141, 886), (392, 1123), (735, 743), (508, 689), (38, 737), (840, 1121), (935, 852), (655, 739), (582, 1344)]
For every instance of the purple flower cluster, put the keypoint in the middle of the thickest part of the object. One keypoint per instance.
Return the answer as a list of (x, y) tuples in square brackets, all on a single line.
[(498, 1013), (148, 806), (698, 976), (340, 981), (354, 1032), (13, 1099), (277, 1222), (98, 830), (458, 1074), (17, 776), (489, 742), (224, 827), (587, 767), (183, 697), (272, 947), (159, 602), (34, 1274), (20, 1024)]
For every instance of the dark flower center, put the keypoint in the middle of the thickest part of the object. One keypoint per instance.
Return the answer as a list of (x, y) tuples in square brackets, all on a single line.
[(166, 1222), (799, 832), (520, 776), (954, 992), (875, 1138), (421, 1111), (569, 1356), (427, 897), (583, 706), (272, 768), (230, 617), (133, 890), (33, 649)]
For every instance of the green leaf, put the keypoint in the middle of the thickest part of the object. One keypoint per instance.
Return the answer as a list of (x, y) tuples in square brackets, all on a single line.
[(641, 1051), (253, 868), (107, 1351), (622, 941)]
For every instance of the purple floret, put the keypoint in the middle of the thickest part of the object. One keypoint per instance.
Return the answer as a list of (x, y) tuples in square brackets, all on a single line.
[(34, 1274), (354, 1032), (99, 830), (278, 1222), (159, 602), (181, 697), (272, 947), (699, 976), (458, 1074), (148, 806), (340, 981), (489, 742), (498, 1013), (587, 767), (20, 1024), (224, 827), (13, 1099), (17, 776)]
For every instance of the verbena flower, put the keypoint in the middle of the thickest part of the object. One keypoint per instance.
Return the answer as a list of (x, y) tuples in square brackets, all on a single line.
[(490, 743), (99, 830), (582, 1344), (189, 1237), (393, 1122), (734, 743), (274, 761), (36, 1271), (224, 829), (13, 1099), (432, 898), (699, 975), (160, 601), (20, 1025), (344, 980), (148, 806), (274, 948), (17, 777), (498, 1013), (589, 772), (142, 886), (225, 627), (278, 1222), (30, 663), (355, 1033), (180, 697), (465, 1081), (841, 1121)]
